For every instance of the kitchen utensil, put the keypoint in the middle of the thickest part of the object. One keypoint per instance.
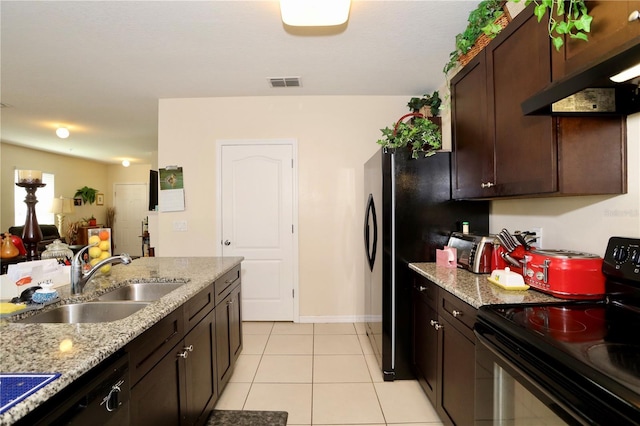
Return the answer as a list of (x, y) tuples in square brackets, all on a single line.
[(522, 240), (508, 237)]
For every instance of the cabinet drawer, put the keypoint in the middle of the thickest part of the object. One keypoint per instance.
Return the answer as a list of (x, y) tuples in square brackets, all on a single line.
[(457, 312), (225, 284), (198, 307), (152, 345), (426, 291)]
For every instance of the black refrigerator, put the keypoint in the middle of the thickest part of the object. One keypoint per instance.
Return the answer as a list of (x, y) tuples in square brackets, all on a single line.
[(409, 214)]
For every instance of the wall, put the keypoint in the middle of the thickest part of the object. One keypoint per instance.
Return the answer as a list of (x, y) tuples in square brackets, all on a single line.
[(335, 135), (580, 223), (71, 173), (135, 173)]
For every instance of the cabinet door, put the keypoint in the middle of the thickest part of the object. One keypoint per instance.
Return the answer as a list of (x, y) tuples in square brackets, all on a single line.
[(472, 149), (425, 344), (156, 399), (235, 324), (200, 378), (228, 335), (518, 63), (610, 32), (457, 376)]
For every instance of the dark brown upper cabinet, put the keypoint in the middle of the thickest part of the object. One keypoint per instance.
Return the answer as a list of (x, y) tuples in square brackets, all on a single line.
[(611, 32), (500, 152)]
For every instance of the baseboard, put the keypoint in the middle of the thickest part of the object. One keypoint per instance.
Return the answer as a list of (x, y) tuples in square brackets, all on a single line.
[(327, 319)]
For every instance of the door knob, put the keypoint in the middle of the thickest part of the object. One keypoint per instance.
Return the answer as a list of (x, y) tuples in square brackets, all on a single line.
[(227, 242)]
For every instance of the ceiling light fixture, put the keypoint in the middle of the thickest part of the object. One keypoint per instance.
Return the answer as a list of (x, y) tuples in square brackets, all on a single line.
[(314, 13), (62, 132), (627, 74), (126, 163)]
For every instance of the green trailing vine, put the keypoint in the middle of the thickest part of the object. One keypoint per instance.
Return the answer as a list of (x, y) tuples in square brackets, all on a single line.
[(566, 18)]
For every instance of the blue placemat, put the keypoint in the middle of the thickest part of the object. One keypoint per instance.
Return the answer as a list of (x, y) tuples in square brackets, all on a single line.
[(14, 387)]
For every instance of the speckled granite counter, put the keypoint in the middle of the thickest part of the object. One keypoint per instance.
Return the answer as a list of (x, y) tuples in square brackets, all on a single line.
[(474, 288), (36, 347)]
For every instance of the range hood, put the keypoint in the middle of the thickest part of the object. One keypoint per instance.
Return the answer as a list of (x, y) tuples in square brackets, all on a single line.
[(595, 75)]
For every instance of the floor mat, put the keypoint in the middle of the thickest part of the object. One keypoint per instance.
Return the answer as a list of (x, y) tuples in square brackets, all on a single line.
[(247, 418)]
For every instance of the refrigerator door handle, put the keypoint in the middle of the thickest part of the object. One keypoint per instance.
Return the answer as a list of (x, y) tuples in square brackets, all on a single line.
[(371, 212)]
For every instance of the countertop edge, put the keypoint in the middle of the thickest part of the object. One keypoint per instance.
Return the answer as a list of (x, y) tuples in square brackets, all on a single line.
[(108, 338), (475, 289)]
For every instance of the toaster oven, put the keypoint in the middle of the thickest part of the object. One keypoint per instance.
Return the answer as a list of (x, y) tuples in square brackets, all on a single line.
[(473, 252)]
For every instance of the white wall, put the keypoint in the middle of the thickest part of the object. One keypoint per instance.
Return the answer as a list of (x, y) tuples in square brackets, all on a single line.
[(335, 135), (580, 223)]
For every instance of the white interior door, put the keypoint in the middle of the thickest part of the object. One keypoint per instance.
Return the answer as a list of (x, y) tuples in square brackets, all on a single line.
[(131, 203), (257, 221)]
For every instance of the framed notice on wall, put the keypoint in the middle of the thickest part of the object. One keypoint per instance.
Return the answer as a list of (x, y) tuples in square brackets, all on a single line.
[(171, 194)]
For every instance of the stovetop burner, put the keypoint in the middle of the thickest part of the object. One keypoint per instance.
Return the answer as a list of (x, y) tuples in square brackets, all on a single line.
[(621, 361)]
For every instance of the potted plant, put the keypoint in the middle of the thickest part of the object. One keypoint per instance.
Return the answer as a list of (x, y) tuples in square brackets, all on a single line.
[(428, 105), (482, 20), (87, 194), (91, 221), (421, 135)]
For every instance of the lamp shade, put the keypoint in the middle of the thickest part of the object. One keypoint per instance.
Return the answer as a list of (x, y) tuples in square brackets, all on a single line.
[(62, 205), (314, 13)]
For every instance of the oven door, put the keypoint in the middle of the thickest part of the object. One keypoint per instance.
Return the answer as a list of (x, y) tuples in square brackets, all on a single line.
[(507, 393)]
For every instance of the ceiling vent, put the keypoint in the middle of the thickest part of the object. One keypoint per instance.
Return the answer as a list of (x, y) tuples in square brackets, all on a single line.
[(285, 82)]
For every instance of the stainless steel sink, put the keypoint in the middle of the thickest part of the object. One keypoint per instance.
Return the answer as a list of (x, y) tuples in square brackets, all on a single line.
[(143, 292), (87, 312)]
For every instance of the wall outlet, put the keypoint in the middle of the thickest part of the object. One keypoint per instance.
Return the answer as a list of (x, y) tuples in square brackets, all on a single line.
[(538, 243), (179, 225)]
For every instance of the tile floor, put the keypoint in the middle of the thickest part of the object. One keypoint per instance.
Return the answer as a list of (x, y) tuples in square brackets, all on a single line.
[(321, 374)]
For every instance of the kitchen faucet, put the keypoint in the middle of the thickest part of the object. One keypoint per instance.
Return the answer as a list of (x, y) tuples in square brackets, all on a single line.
[(79, 278)]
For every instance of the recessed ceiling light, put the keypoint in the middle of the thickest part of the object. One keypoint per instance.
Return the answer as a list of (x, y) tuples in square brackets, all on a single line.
[(126, 163), (62, 132)]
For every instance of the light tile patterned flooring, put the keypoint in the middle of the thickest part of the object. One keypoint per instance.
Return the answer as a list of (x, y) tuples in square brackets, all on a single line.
[(321, 374)]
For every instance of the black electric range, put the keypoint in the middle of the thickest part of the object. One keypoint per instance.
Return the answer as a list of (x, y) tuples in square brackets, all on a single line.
[(583, 357)]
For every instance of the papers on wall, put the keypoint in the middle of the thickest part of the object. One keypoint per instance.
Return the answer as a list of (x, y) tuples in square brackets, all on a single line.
[(171, 194)]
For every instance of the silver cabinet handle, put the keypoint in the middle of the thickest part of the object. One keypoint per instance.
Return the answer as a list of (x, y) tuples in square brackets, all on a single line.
[(112, 397), (486, 185), (227, 242), (229, 302), (184, 354), (189, 348), (421, 288), (456, 314), (435, 324)]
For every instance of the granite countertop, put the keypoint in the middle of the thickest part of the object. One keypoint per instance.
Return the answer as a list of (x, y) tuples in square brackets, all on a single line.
[(36, 348), (475, 289)]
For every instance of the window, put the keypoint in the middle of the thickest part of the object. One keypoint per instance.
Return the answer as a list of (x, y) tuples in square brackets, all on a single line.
[(43, 206)]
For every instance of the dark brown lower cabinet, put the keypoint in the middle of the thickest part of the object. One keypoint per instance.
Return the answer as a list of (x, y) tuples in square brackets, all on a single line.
[(228, 335), (425, 337), (180, 366), (455, 401), (182, 388), (444, 351), (199, 362), (156, 399)]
